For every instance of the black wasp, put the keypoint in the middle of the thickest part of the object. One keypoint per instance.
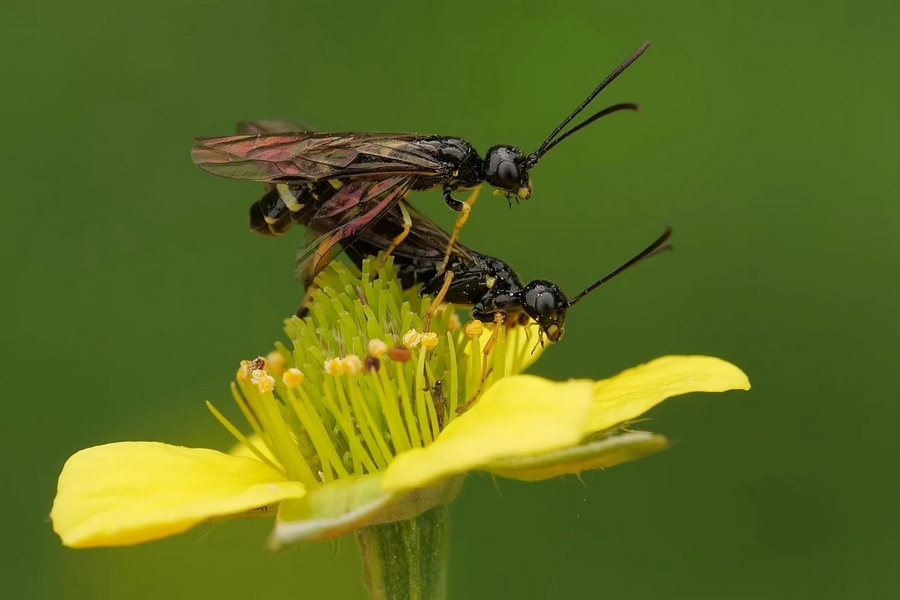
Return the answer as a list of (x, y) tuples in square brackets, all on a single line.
[(487, 284), (339, 184)]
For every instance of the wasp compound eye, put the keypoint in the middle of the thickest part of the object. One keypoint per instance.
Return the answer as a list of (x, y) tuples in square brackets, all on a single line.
[(545, 307), (508, 175), (543, 301)]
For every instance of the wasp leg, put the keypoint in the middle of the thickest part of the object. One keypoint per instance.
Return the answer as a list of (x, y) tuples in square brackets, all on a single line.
[(499, 317), (407, 225), (303, 309), (426, 320), (463, 208)]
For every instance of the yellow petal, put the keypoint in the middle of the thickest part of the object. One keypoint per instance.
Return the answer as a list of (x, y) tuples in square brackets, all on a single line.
[(598, 454), (522, 415), (131, 492), (633, 392)]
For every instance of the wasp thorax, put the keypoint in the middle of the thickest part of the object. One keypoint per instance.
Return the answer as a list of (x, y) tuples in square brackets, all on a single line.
[(546, 303), (506, 169)]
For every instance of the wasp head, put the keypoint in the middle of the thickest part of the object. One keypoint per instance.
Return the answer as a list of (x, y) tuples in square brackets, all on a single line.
[(506, 168), (546, 303)]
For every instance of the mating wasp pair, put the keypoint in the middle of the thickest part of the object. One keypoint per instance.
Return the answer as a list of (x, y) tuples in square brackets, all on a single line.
[(349, 190)]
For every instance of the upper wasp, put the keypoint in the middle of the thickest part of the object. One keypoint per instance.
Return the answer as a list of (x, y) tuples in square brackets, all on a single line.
[(338, 184)]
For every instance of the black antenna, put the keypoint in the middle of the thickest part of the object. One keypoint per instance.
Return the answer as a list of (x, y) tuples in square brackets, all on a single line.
[(656, 247), (535, 156), (606, 111)]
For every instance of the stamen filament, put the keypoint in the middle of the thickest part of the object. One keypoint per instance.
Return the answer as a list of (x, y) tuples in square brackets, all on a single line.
[(454, 375), (328, 458), (242, 438), (421, 404), (358, 453), (474, 371), (498, 356), (428, 410), (371, 432), (384, 387), (248, 413), (283, 446), (411, 425)]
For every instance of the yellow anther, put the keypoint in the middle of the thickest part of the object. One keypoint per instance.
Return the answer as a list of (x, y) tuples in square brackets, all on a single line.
[(412, 338), (377, 347), (429, 340), (334, 367), (293, 377), (352, 364), (262, 380), (248, 366), (474, 329), (276, 362), (245, 370), (454, 324)]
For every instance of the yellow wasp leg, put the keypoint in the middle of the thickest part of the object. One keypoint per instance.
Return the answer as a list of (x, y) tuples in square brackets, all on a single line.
[(407, 225), (498, 324), (460, 221), (426, 320)]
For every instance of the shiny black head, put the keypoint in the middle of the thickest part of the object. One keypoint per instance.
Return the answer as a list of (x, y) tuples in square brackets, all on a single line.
[(506, 168), (546, 303)]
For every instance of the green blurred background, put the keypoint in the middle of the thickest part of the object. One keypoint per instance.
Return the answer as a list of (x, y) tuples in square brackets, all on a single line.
[(767, 140)]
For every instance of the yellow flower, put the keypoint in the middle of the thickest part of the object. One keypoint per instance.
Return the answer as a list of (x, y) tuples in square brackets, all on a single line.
[(336, 448)]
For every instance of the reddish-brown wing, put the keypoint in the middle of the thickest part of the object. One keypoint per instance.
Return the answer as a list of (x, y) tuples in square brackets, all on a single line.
[(313, 156), (341, 220), (271, 126)]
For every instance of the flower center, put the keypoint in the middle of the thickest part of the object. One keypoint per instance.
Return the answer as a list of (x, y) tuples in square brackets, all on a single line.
[(363, 383)]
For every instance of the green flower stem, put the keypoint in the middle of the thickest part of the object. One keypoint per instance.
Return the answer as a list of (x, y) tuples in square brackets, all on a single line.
[(407, 560)]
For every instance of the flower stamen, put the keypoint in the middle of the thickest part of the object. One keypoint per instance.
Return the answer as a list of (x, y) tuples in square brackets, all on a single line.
[(377, 347), (334, 367), (474, 329), (264, 382), (293, 377), (399, 354), (352, 365), (411, 338), (331, 407), (429, 340)]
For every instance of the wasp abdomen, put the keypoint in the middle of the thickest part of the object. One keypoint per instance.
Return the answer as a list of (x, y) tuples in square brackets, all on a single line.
[(286, 204)]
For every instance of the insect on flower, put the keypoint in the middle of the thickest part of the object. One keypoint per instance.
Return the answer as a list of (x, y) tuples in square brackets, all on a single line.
[(486, 284), (339, 184)]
